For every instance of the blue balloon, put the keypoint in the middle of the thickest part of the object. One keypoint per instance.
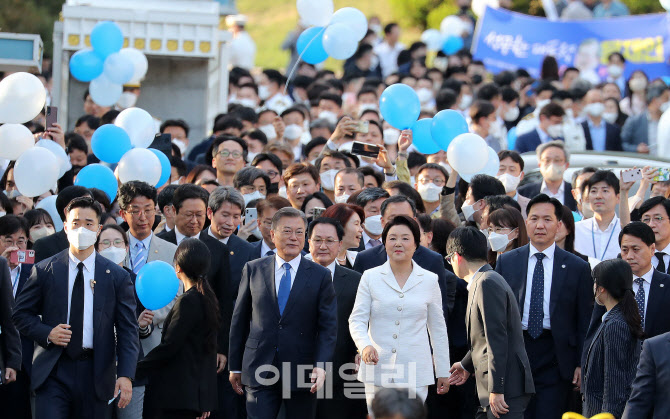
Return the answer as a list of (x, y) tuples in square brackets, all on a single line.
[(452, 45), (422, 137), (447, 125), (118, 68), (400, 106), (109, 143), (511, 138), (106, 38), (100, 177), (166, 168), (156, 284), (86, 65), (314, 53)]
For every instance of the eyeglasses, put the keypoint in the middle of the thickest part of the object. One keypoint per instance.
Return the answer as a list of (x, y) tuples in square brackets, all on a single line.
[(138, 212), (656, 219), (8, 242), (448, 257), (110, 243), (437, 181), (226, 153), (328, 242), (272, 173)]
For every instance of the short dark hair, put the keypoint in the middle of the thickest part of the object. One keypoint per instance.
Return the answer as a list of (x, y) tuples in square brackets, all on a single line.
[(514, 155), (300, 168), (544, 199), (109, 117), (228, 121), (132, 189), (11, 224), (75, 142), (618, 54), (175, 123), (93, 122), (314, 142), (368, 195), (332, 154), (257, 135), (405, 221), (652, 202), (389, 27), (604, 176), (337, 99), (339, 230), (469, 243), (369, 171), (223, 138), (367, 90), (398, 199), (552, 109), (433, 166), (445, 99), (495, 202), (247, 175), (68, 194), (261, 157), (165, 196), (353, 171), (485, 185), (395, 402), (85, 202), (189, 191), (293, 109), (640, 230), (509, 94), (274, 76), (425, 222), (407, 190), (245, 113), (287, 212), (416, 159), (488, 91)]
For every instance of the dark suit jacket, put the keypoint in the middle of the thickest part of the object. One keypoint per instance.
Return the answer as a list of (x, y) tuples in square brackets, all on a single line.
[(612, 137), (570, 301), (649, 396), (256, 254), (115, 341), (27, 344), (345, 283), (10, 341), (610, 366), (635, 131), (427, 259), (497, 355), (50, 245), (305, 334), (219, 280), (527, 142), (241, 252), (183, 353), (532, 190)]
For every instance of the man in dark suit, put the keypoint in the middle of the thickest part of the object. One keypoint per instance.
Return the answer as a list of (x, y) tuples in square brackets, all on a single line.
[(554, 292), (655, 212), (284, 324), (549, 128), (10, 349), (266, 209), (649, 396), (554, 159), (50, 245), (85, 343), (325, 240), (497, 356), (600, 135)]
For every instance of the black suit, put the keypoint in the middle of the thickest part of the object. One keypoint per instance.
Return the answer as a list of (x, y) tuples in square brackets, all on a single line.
[(612, 137), (649, 396), (50, 245), (241, 252), (556, 354), (10, 343), (532, 190)]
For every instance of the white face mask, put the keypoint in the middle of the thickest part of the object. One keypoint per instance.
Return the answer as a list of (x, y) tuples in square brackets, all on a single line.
[(367, 107), (637, 84), (246, 102), (12, 194), (429, 192), (342, 199), (82, 238), (373, 225), (425, 95), (292, 132), (499, 241), (3, 213), (541, 104), (614, 71), (263, 92), (391, 136), (468, 212), (269, 131), (181, 144), (553, 172), (512, 114), (115, 254), (126, 100), (328, 179), (610, 117), (509, 181), (329, 116), (248, 197), (282, 192), (594, 109), (441, 63), (305, 137), (555, 131), (495, 128), (466, 101), (40, 232), (251, 155)]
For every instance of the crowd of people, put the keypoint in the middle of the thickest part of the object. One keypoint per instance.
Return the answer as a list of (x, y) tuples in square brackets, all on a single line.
[(320, 283)]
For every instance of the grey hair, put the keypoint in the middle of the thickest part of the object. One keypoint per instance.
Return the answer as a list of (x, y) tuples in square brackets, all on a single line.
[(370, 194), (287, 212), (394, 402), (225, 194), (655, 90), (555, 143)]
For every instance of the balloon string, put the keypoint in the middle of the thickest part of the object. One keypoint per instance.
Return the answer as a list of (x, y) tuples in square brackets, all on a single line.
[(295, 66)]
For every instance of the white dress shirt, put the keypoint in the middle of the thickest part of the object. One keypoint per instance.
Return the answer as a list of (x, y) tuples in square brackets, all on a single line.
[(181, 237), (279, 270), (265, 249), (560, 194), (589, 237), (89, 275), (548, 265), (388, 56), (666, 258), (211, 234), (331, 268), (14, 275), (647, 287)]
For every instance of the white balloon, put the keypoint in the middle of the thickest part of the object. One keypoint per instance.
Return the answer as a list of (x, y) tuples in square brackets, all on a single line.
[(478, 6), (59, 152), (339, 41), (14, 140), (353, 18), (49, 205), (492, 164), (139, 125), (140, 164), (140, 63), (118, 68), (104, 92), (315, 12), (36, 171), (22, 98), (665, 4), (663, 135), (433, 39), (467, 153)]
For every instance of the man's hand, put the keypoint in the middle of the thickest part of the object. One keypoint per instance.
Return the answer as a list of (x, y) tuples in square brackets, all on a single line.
[(245, 230), (318, 377), (220, 362), (61, 335), (146, 318), (205, 415), (405, 140), (458, 374), (55, 132), (643, 148), (370, 355), (357, 360), (497, 404), (124, 385), (26, 201), (10, 375), (8, 251), (235, 379), (577, 378), (442, 385), (346, 126), (383, 160)]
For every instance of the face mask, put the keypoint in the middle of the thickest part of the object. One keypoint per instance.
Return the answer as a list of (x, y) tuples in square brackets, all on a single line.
[(555, 131), (3, 213), (391, 136), (13, 193), (247, 102), (263, 92), (38, 233), (180, 144), (498, 241), (376, 28), (305, 137), (664, 107), (373, 225), (292, 132), (595, 297), (282, 192), (594, 109), (554, 172), (126, 100), (476, 79), (251, 155), (495, 128), (510, 182), (328, 179), (115, 254), (82, 238), (429, 192), (441, 63), (269, 131), (425, 95), (342, 199), (512, 114), (248, 197), (367, 107), (541, 104), (329, 116), (610, 117), (637, 84), (466, 101), (614, 71), (468, 212)]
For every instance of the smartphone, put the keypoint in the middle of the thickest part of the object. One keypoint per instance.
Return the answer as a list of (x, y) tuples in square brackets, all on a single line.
[(250, 216), (163, 142), (317, 211), (51, 116), (662, 176), (631, 175), (363, 127), (22, 256), (365, 150)]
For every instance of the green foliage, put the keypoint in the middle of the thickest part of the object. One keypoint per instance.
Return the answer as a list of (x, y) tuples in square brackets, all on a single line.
[(31, 16)]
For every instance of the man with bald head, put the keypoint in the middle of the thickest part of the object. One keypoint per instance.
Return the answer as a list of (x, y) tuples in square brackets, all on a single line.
[(600, 135)]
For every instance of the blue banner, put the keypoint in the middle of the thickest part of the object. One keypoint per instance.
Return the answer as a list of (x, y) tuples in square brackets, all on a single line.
[(506, 40)]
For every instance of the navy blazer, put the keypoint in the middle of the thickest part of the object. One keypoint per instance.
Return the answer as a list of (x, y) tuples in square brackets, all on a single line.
[(635, 131), (241, 252), (27, 344), (427, 259), (649, 395), (304, 335), (10, 341), (570, 301), (612, 137), (115, 340), (50, 245), (532, 190), (527, 142)]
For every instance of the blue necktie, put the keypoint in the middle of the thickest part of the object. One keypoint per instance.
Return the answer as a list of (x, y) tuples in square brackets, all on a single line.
[(639, 297), (536, 312), (140, 258), (284, 288), (269, 253)]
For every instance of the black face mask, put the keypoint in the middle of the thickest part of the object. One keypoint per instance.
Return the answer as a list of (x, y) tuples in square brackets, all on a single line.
[(477, 79), (273, 189)]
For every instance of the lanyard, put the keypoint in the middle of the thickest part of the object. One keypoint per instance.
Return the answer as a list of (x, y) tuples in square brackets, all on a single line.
[(593, 237)]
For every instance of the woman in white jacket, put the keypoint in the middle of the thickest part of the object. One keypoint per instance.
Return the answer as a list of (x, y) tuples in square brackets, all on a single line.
[(397, 306)]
